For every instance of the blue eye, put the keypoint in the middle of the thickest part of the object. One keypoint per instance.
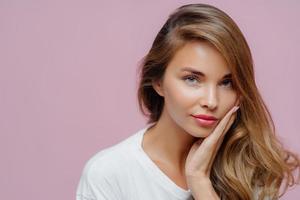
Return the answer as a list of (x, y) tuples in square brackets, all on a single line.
[(227, 83), (190, 79)]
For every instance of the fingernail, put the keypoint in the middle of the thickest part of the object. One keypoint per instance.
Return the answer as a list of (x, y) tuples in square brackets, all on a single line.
[(235, 108)]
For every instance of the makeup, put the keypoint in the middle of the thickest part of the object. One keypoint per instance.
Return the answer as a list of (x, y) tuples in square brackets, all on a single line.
[(205, 120)]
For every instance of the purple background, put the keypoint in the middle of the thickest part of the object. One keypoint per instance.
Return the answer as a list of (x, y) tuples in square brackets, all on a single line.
[(68, 81)]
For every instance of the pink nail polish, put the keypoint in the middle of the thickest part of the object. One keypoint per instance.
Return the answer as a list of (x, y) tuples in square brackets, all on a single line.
[(235, 108)]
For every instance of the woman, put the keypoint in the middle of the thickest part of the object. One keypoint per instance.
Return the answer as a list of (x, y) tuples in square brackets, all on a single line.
[(209, 134)]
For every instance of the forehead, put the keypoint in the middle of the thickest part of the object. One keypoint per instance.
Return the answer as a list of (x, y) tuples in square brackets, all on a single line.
[(201, 56)]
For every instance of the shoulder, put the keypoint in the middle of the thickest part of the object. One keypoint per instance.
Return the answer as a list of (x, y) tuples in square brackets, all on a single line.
[(112, 158), (104, 171)]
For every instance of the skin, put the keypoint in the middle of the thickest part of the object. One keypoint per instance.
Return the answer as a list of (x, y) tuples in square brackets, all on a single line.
[(181, 148)]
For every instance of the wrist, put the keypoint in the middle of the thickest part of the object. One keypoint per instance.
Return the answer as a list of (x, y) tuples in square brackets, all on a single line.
[(203, 189)]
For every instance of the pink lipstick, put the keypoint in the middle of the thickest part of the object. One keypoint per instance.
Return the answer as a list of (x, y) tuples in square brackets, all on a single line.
[(205, 120)]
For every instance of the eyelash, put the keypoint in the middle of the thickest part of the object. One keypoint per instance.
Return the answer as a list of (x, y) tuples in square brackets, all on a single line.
[(189, 77)]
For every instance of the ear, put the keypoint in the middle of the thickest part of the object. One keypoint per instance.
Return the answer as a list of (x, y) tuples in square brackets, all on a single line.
[(157, 86)]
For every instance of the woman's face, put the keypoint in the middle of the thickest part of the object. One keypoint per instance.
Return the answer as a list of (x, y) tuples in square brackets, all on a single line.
[(197, 81)]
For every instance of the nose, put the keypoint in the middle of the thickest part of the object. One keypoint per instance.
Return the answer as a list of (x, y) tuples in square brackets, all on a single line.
[(209, 98)]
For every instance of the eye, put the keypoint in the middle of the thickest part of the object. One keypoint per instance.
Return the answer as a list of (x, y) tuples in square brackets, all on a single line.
[(191, 79), (227, 83)]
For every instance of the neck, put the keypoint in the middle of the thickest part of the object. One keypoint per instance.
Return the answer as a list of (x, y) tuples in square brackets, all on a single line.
[(168, 143)]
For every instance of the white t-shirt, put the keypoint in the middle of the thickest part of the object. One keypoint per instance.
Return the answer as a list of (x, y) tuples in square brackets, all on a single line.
[(125, 172)]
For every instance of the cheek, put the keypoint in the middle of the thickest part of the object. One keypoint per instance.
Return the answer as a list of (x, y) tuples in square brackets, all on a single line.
[(227, 100), (178, 96)]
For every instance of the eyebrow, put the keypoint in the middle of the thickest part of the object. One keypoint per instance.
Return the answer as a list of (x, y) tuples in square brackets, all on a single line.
[(189, 69)]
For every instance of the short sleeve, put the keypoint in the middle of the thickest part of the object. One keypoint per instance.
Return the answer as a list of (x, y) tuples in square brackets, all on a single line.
[(98, 182), (84, 189)]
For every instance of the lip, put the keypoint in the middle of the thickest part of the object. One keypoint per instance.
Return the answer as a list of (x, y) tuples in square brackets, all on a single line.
[(206, 117), (205, 120)]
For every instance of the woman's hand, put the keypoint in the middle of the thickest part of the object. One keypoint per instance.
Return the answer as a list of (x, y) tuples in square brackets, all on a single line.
[(201, 156)]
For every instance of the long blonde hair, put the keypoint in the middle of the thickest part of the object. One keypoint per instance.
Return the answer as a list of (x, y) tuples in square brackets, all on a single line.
[(251, 157)]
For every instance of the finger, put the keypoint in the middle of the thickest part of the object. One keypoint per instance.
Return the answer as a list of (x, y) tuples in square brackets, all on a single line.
[(218, 131), (229, 124), (220, 140), (213, 143), (209, 145)]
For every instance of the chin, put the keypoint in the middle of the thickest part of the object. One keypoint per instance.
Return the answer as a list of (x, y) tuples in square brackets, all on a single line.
[(201, 132)]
